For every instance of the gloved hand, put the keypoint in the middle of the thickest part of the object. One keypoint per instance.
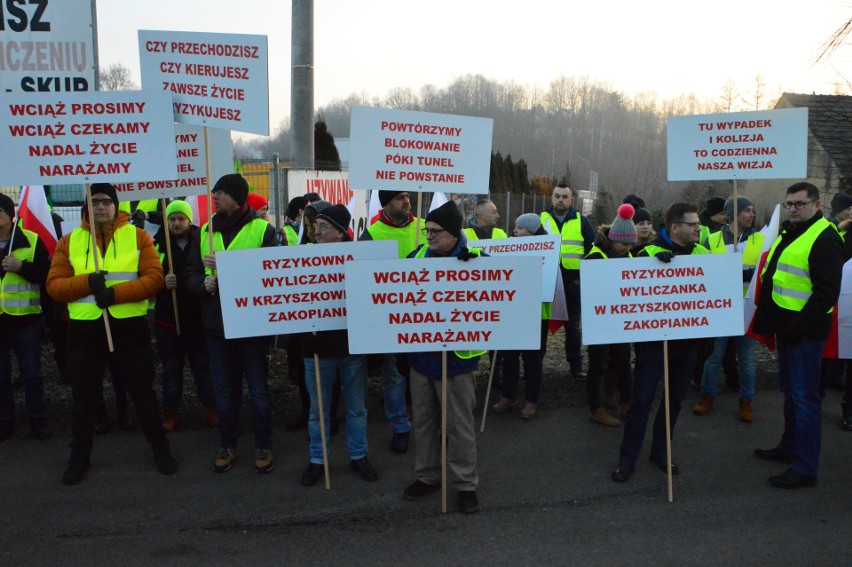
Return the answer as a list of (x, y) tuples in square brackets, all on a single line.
[(105, 297), (790, 335), (466, 254), (97, 281), (664, 256)]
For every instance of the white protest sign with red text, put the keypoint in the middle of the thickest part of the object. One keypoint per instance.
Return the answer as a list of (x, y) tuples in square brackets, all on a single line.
[(331, 186), (191, 178), (631, 300), (765, 144), (89, 137), (545, 247), (217, 80), (444, 304), (404, 150), (289, 289)]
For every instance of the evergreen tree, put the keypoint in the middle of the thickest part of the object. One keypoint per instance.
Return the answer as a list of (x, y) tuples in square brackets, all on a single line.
[(325, 152)]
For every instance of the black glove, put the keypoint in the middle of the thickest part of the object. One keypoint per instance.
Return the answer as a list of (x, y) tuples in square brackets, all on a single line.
[(105, 297), (97, 281), (790, 335), (664, 256), (466, 254)]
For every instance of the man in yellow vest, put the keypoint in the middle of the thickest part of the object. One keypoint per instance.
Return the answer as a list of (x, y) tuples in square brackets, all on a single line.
[(129, 273), (578, 237), (395, 222), (749, 244), (235, 226), (800, 285), (483, 225), (24, 262)]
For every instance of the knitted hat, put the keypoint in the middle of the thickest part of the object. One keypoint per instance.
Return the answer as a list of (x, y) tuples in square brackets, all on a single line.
[(313, 209), (448, 217), (234, 185), (840, 202), (635, 200), (107, 189), (742, 203), (179, 206), (7, 205), (386, 197), (256, 201), (529, 221), (622, 228), (715, 205), (295, 205), (641, 215), (337, 216)]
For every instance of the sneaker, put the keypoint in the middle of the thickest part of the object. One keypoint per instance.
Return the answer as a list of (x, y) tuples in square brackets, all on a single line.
[(399, 442), (170, 420), (224, 459), (312, 474), (75, 471), (503, 404), (364, 469), (210, 416), (746, 413), (601, 416), (263, 460), (418, 489), (529, 410), (468, 502), (704, 405)]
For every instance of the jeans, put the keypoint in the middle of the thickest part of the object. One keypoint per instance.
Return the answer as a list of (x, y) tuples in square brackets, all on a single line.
[(532, 370), (353, 376), (393, 386), (745, 362), (798, 378), (25, 341), (649, 373), (618, 356), (174, 349), (230, 360)]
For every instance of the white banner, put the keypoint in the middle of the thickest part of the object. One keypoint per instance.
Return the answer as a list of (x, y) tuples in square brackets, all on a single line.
[(289, 289), (436, 304), (47, 46), (88, 137), (632, 300), (191, 176), (331, 186), (765, 144), (403, 150), (545, 247), (218, 80)]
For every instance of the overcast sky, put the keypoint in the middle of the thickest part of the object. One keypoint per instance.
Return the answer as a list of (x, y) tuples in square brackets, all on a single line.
[(371, 46)]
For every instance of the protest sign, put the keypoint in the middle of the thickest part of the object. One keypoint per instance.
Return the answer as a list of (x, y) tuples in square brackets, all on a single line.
[(545, 247), (191, 178), (47, 46), (331, 186), (403, 150), (766, 144), (289, 289), (217, 80), (631, 300), (436, 304), (54, 138)]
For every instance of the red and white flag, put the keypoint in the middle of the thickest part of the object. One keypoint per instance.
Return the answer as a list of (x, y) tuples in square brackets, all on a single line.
[(770, 234), (198, 204), (839, 343), (34, 213)]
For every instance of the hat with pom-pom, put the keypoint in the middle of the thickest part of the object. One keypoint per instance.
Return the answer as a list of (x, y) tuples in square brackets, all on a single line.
[(622, 228)]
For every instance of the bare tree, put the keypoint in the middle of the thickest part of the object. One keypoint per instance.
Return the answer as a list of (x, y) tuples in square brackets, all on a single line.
[(759, 92), (729, 97), (116, 77)]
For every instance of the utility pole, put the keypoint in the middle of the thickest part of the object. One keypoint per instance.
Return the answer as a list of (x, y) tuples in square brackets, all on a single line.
[(302, 84)]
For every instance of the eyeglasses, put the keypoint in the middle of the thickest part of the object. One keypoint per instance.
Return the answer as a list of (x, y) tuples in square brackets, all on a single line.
[(798, 205), (433, 231), (689, 224), (101, 202), (322, 227)]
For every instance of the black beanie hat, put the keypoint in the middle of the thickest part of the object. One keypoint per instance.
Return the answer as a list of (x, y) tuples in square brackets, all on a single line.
[(295, 205), (641, 215), (635, 200), (8, 205), (840, 202), (234, 185), (448, 217), (338, 216), (386, 197), (107, 189), (715, 205)]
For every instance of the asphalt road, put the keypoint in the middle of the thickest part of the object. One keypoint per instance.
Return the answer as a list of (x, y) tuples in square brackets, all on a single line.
[(545, 499)]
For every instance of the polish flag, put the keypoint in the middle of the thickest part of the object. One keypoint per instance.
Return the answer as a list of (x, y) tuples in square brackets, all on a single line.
[(375, 206), (34, 213), (198, 204), (839, 343), (770, 234)]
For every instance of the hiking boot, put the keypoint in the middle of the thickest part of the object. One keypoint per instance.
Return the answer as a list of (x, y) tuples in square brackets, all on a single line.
[(170, 420), (364, 469), (601, 416), (399, 442), (704, 405), (224, 459), (75, 471), (263, 461), (210, 416), (529, 410), (312, 474), (746, 414), (166, 463), (39, 430), (468, 502), (418, 489), (503, 404)]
